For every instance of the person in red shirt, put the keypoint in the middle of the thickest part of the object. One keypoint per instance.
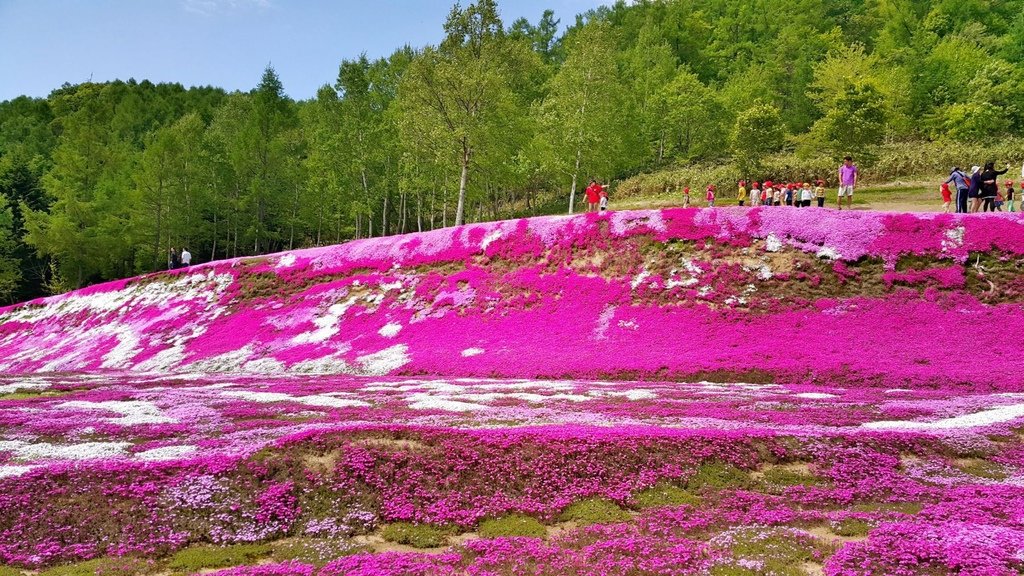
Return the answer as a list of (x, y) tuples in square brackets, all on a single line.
[(593, 195), (947, 196)]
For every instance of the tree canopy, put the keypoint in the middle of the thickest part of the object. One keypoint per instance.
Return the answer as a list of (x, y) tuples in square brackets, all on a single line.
[(102, 180)]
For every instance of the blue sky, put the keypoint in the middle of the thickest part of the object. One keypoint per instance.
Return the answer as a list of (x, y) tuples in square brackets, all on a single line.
[(227, 43)]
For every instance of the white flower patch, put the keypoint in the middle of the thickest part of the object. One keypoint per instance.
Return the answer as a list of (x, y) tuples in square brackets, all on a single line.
[(120, 356), (264, 366), (390, 330), (954, 238), (428, 402), (772, 243), (978, 419), (332, 364), (7, 471), (166, 453), (226, 362), (828, 253), (814, 395), (133, 412), (313, 400), (23, 386), (27, 452), (468, 352), (326, 325), (639, 279), (490, 237), (384, 362), (604, 321), (286, 261), (764, 272), (632, 394), (630, 324)]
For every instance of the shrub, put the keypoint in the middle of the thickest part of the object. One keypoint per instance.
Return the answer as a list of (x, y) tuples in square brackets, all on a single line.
[(594, 511), (777, 478), (664, 494), (415, 535), (196, 558), (512, 525)]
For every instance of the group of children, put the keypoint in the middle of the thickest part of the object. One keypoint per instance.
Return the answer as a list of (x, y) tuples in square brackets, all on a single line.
[(769, 194)]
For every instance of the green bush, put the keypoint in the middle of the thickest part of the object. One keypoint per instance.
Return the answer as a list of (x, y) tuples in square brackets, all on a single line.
[(197, 558), (594, 511), (317, 551), (718, 475), (664, 494), (778, 478), (415, 535), (512, 525)]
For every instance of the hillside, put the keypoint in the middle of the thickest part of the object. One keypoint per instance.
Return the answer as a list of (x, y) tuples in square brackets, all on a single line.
[(677, 294), (706, 392)]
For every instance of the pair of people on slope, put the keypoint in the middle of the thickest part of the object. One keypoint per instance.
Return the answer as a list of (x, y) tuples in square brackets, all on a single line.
[(175, 260), (597, 197)]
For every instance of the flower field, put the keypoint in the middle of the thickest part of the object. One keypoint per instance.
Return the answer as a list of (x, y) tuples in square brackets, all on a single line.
[(726, 392)]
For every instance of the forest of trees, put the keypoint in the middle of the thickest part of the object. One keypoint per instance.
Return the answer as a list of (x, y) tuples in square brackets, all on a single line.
[(98, 180)]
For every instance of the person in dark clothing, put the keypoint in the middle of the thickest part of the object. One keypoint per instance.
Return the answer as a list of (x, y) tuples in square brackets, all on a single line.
[(959, 180), (989, 187)]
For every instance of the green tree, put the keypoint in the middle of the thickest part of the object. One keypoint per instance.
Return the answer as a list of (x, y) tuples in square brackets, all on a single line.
[(581, 120), (10, 265), (461, 90), (758, 131)]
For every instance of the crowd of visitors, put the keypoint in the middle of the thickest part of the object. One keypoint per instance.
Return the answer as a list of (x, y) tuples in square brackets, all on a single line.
[(978, 191)]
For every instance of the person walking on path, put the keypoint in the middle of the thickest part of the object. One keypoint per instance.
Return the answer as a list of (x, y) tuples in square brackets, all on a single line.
[(186, 258), (847, 182), (1009, 196), (593, 193), (959, 181)]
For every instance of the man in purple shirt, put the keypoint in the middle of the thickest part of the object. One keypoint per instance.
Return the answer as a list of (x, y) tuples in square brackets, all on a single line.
[(847, 181)]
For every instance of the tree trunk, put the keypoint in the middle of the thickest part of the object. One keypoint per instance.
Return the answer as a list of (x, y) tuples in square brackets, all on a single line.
[(575, 175), (462, 186)]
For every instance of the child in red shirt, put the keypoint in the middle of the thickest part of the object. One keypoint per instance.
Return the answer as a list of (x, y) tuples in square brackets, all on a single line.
[(711, 195), (947, 196)]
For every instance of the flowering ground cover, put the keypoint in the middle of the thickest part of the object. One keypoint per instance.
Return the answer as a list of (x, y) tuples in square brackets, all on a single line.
[(665, 392)]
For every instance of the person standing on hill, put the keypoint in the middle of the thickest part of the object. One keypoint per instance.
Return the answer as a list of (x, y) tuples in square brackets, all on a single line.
[(989, 186), (847, 182), (819, 193), (186, 258), (958, 179), (1009, 196), (593, 195), (686, 197), (172, 259), (710, 196), (755, 194), (741, 193)]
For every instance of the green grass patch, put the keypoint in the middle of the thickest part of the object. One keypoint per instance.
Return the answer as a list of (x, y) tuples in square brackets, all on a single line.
[(850, 527), (983, 469), (718, 475), (512, 525), (664, 494), (778, 478), (910, 508), (316, 551), (108, 566), (778, 551), (196, 558), (10, 571), (594, 511), (416, 535)]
